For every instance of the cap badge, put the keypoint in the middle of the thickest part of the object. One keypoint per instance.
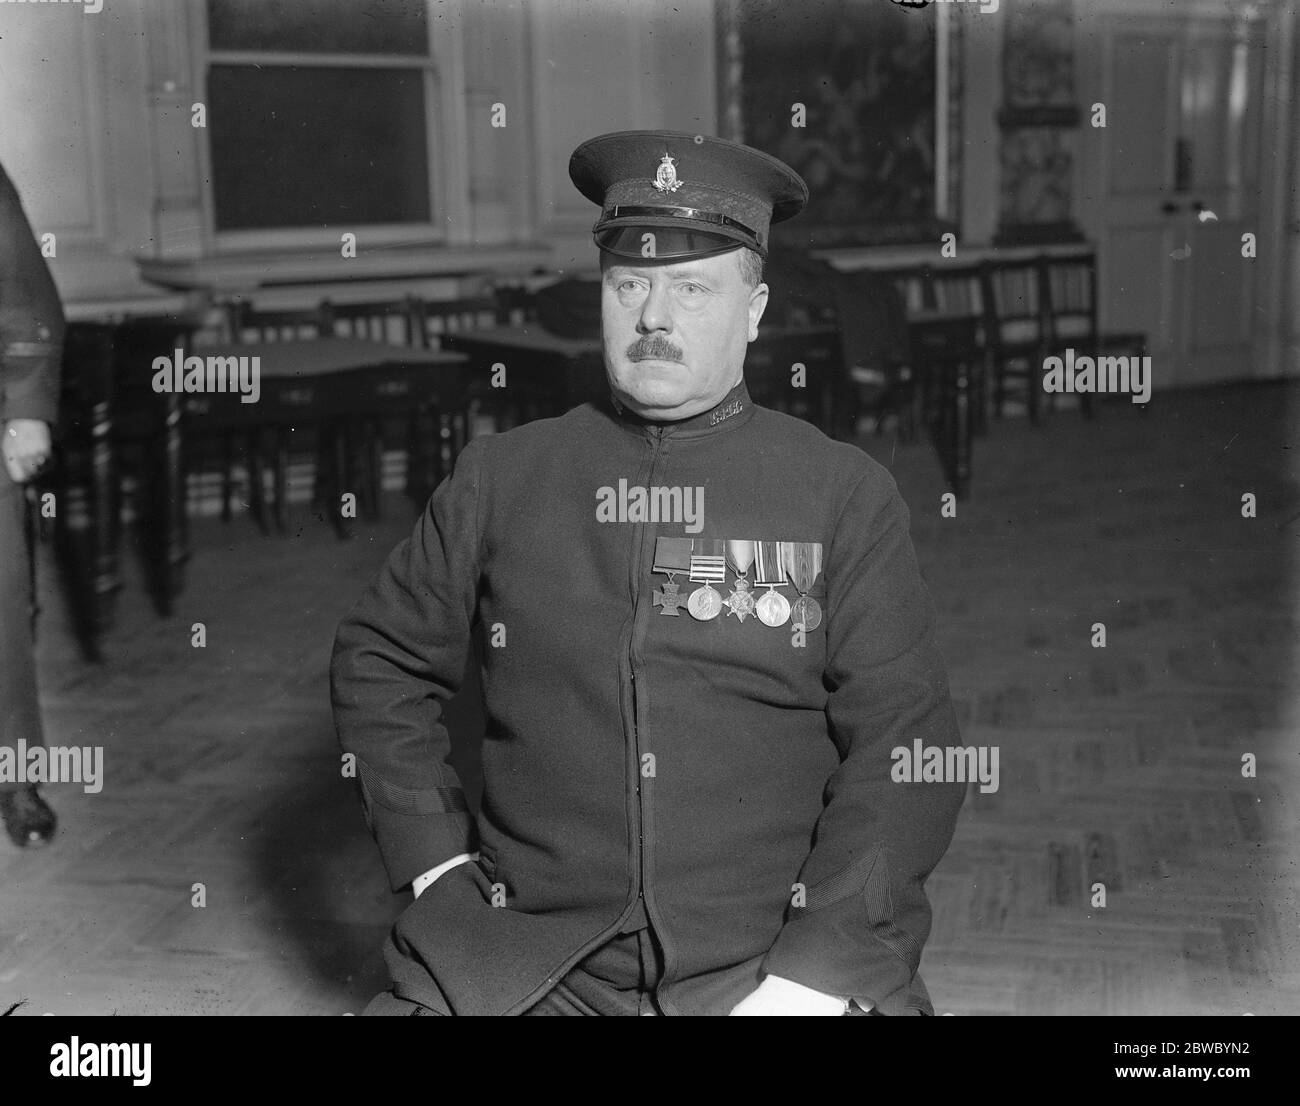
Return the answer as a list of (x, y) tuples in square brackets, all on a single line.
[(666, 176)]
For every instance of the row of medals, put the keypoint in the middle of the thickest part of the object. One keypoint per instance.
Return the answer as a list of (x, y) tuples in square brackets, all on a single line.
[(771, 608)]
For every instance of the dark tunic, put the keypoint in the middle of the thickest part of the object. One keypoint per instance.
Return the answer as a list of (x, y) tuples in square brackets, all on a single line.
[(770, 754), (31, 342)]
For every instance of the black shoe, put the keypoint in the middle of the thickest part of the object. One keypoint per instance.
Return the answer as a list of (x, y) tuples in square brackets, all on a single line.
[(28, 819)]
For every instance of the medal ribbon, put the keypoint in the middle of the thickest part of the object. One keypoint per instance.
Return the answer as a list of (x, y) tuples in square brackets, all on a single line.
[(672, 555), (769, 571), (740, 555), (708, 562), (804, 561)]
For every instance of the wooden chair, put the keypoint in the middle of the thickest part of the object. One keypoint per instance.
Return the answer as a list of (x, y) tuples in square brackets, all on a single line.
[(515, 304), (957, 293), (1017, 331), (392, 321), (949, 353), (863, 313), (1070, 294), (911, 286), (249, 324), (395, 322), (880, 380), (436, 317), (506, 407)]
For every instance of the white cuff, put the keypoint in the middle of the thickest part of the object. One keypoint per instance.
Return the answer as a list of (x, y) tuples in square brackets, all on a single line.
[(419, 883)]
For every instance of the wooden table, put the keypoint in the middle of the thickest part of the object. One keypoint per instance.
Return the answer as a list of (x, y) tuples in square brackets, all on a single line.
[(338, 385), (549, 374)]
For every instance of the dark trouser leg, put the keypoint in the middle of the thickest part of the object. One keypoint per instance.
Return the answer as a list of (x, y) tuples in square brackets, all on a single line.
[(20, 714), (616, 980)]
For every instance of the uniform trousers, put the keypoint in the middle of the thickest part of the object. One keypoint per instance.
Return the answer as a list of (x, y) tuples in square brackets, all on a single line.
[(20, 712), (616, 980)]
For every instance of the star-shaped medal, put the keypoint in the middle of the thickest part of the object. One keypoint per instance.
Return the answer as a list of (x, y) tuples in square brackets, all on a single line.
[(741, 601)]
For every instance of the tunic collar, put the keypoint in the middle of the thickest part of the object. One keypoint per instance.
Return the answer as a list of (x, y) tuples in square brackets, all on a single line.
[(733, 409)]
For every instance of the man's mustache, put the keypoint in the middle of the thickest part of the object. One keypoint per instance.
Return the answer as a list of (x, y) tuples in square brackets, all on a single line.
[(653, 346)]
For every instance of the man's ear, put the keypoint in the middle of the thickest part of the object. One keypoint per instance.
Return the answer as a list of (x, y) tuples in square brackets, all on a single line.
[(757, 305)]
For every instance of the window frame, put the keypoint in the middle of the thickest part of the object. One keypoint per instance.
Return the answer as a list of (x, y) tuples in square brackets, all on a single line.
[(442, 69)]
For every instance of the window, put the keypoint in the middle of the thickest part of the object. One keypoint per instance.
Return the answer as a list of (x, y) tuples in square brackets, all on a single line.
[(321, 117)]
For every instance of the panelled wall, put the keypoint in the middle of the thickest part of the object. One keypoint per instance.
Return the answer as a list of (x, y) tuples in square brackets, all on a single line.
[(96, 129)]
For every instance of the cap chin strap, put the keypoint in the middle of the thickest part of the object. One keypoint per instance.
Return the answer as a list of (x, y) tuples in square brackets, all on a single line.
[(695, 214)]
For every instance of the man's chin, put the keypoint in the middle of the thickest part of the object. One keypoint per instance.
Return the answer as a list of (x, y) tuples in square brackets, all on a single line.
[(654, 386)]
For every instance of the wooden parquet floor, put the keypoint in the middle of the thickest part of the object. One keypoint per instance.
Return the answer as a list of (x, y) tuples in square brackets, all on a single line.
[(1119, 765)]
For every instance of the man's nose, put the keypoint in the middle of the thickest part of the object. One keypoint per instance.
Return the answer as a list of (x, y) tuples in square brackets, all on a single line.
[(656, 311)]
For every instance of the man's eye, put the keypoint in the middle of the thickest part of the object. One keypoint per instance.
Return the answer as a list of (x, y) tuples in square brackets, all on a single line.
[(627, 285), (691, 289)]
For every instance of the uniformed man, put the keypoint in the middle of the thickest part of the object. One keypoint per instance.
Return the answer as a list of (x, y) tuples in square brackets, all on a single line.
[(706, 633), (31, 342)]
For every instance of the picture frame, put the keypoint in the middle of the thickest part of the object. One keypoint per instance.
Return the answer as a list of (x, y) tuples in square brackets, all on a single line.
[(878, 138)]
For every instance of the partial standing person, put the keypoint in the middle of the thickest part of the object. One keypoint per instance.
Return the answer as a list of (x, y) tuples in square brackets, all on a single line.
[(31, 347)]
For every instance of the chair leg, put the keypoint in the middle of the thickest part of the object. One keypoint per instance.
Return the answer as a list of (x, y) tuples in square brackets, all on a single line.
[(281, 476), (105, 513), (374, 459), (981, 423), (175, 543), (227, 474), (416, 455), (446, 442), (341, 477), (256, 486), (963, 428)]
